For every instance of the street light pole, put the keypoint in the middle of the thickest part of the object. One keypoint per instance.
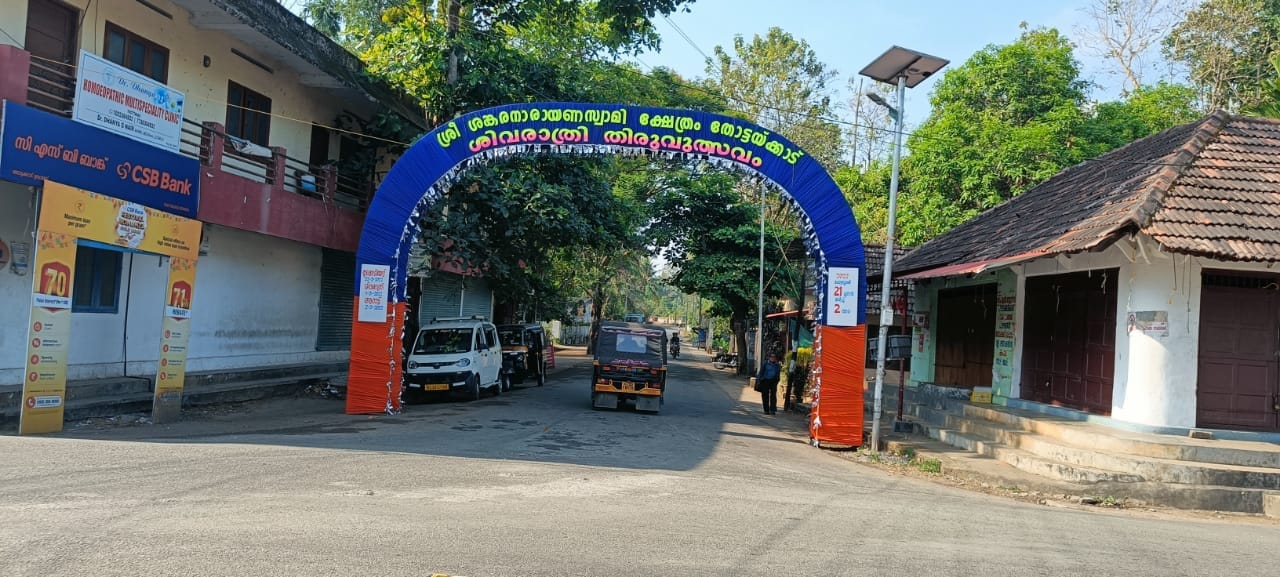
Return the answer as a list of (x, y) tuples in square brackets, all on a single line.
[(760, 298), (886, 312), (905, 68)]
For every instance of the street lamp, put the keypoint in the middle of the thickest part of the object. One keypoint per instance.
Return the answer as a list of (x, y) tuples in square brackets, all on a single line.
[(906, 69)]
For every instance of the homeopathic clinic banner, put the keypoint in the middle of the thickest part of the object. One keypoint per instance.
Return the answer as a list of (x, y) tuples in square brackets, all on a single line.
[(69, 214)]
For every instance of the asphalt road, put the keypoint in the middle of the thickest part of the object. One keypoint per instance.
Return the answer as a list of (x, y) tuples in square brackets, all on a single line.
[(535, 483)]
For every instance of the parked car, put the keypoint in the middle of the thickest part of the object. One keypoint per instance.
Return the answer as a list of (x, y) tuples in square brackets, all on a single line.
[(633, 318), (460, 355), (524, 352)]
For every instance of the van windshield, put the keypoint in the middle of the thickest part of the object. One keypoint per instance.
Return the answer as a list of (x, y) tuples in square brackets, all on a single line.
[(442, 341)]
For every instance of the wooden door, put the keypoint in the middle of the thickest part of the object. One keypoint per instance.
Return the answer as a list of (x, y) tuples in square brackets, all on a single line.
[(1069, 333), (1236, 381), (965, 336)]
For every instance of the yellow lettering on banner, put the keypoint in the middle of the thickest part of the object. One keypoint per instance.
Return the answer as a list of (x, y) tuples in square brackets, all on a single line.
[(101, 218)]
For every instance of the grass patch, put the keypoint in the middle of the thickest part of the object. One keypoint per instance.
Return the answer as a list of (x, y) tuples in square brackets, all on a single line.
[(909, 453), (929, 465)]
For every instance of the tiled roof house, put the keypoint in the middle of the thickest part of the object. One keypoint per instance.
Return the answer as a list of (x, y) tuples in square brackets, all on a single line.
[(1138, 284)]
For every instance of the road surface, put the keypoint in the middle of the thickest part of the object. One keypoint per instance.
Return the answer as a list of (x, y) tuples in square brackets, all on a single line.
[(535, 483)]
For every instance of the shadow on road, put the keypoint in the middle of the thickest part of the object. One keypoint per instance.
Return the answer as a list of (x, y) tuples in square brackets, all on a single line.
[(553, 423)]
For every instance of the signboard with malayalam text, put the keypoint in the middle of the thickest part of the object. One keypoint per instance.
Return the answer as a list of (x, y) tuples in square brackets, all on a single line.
[(37, 146), (373, 293), (842, 296)]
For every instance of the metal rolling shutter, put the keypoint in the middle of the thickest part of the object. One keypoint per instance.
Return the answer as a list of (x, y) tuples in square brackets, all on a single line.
[(477, 299), (337, 294), (441, 295)]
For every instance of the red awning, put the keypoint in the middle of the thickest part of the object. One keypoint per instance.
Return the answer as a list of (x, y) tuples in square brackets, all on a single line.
[(970, 268)]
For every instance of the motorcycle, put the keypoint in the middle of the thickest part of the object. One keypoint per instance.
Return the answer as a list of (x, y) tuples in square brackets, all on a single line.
[(675, 350), (725, 361)]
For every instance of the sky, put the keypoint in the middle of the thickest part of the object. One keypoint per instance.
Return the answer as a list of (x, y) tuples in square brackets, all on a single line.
[(849, 34)]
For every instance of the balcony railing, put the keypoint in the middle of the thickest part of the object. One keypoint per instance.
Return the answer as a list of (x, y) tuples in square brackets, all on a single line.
[(51, 88)]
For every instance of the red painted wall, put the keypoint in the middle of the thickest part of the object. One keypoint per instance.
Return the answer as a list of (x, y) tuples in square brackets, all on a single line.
[(238, 202)]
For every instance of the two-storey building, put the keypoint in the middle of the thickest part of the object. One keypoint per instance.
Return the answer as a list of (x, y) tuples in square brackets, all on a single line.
[(272, 116)]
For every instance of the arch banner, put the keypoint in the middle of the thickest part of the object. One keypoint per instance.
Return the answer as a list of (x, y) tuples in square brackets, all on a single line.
[(427, 170)]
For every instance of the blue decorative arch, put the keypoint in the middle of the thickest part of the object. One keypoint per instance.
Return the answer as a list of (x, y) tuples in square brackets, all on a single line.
[(427, 170)]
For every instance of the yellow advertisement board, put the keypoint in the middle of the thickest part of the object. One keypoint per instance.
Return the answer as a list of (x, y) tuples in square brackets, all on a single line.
[(167, 403), (48, 334), (109, 220), (66, 215)]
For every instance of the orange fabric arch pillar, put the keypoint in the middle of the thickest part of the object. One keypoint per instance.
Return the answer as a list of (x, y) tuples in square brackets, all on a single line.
[(373, 383), (840, 357)]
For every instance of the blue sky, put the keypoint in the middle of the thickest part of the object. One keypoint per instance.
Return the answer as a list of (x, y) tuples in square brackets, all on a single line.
[(848, 34)]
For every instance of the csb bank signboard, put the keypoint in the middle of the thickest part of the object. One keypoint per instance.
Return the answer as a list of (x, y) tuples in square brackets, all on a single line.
[(36, 146)]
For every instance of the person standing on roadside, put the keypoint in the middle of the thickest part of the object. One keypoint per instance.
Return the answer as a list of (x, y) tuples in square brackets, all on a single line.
[(767, 384)]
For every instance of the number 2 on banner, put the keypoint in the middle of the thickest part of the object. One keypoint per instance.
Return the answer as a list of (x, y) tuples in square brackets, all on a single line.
[(837, 305)]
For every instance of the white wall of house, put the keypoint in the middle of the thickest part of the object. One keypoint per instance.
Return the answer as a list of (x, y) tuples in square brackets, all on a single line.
[(16, 226), (1156, 382), (205, 88), (256, 303), (1155, 375)]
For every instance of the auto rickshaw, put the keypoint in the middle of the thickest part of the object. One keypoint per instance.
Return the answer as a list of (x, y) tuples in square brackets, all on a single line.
[(630, 365)]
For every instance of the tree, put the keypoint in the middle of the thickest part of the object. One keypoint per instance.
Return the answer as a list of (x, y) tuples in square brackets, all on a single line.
[(867, 191), (1146, 111), (1226, 46), (1003, 121), (778, 82), (871, 136), (703, 228), (1124, 31)]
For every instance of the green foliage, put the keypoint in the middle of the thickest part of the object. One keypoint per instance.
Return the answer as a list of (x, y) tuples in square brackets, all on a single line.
[(929, 466), (1226, 46), (1001, 122), (1147, 110), (703, 226), (778, 82), (867, 191), (1007, 119)]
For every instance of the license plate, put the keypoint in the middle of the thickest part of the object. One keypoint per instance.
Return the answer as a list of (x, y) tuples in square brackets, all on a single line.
[(629, 387), (440, 387)]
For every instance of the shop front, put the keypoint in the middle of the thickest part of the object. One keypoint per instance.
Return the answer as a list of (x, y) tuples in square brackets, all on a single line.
[(98, 194)]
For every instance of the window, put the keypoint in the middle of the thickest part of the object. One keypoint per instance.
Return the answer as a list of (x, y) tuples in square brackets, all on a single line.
[(137, 53), (248, 114), (97, 281)]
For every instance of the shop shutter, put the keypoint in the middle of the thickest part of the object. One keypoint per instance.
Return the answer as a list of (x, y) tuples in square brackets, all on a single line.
[(337, 299), (441, 295), (478, 300)]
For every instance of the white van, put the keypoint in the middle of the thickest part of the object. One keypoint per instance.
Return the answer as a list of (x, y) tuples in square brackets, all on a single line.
[(462, 356), (633, 318)]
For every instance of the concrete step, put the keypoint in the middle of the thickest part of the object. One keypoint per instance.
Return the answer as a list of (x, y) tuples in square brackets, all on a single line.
[(1103, 483), (11, 395), (240, 391), (1024, 460), (108, 397), (1147, 468), (1129, 443)]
